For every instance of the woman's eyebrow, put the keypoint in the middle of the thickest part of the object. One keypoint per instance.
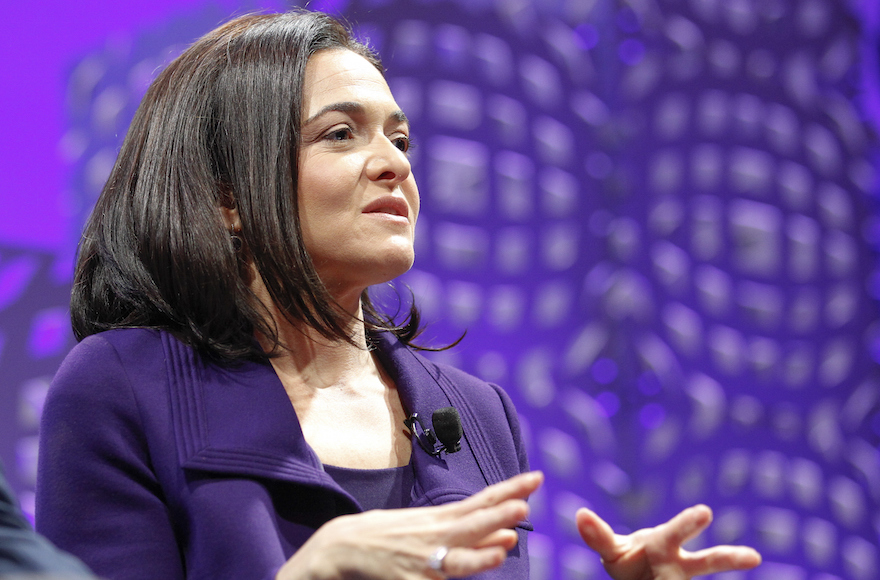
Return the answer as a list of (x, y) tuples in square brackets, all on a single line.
[(400, 117), (352, 107)]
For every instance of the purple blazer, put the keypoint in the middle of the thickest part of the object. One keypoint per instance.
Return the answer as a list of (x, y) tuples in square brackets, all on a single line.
[(157, 463)]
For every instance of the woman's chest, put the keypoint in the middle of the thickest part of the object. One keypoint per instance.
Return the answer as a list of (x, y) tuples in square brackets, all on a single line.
[(360, 429)]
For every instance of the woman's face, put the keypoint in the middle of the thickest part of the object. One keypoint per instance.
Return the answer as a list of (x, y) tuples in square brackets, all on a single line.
[(358, 199)]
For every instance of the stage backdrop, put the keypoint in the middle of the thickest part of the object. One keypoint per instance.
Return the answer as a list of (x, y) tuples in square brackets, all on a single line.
[(656, 221)]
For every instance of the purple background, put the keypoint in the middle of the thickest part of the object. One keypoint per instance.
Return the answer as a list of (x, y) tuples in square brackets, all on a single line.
[(657, 221)]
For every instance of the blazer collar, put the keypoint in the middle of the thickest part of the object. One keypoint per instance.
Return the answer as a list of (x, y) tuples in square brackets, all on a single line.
[(423, 389), (239, 420)]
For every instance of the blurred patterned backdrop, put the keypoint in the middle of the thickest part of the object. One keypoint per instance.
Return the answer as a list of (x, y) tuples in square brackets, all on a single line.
[(656, 220)]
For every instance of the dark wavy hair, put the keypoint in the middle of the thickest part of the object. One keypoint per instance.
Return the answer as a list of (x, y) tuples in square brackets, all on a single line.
[(219, 127)]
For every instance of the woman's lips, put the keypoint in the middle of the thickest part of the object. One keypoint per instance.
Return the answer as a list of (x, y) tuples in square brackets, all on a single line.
[(390, 205)]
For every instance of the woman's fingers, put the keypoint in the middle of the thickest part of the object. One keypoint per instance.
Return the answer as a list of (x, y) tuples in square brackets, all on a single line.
[(481, 532), (461, 562), (597, 534), (477, 532), (517, 487), (685, 526), (472, 528), (505, 539), (719, 559), (481, 539), (496, 508), (657, 552)]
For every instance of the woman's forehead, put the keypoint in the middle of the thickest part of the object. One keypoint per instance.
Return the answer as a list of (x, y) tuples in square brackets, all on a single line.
[(342, 75)]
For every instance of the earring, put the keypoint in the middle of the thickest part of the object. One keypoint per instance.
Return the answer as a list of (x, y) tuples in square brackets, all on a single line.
[(236, 240)]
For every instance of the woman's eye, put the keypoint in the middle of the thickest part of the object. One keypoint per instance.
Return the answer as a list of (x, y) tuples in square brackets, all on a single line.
[(341, 134), (403, 143)]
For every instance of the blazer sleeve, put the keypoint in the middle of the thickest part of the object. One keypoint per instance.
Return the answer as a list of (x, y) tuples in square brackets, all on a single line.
[(97, 496)]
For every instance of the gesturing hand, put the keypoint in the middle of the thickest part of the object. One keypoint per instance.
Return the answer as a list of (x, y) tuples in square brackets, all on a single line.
[(396, 544), (656, 553)]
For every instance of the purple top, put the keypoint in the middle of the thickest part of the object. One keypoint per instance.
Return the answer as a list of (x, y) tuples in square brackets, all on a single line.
[(156, 462), (376, 488)]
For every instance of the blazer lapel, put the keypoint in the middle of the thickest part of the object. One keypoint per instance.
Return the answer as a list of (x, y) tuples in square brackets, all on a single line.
[(236, 419), (423, 389)]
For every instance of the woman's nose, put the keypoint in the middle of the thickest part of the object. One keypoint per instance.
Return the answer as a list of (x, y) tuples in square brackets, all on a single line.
[(387, 162)]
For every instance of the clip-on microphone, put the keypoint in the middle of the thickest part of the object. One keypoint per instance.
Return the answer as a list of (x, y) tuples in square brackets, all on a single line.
[(447, 428)]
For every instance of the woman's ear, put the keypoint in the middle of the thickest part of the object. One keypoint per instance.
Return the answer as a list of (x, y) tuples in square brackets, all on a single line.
[(231, 218)]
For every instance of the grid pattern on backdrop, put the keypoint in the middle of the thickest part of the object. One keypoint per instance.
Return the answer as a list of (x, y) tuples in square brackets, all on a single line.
[(655, 221)]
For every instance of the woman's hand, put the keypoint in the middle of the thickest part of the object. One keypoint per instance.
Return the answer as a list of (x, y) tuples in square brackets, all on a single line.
[(397, 544), (657, 553)]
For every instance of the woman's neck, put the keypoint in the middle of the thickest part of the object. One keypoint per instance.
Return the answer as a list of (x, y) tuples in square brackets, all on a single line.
[(341, 394), (307, 359)]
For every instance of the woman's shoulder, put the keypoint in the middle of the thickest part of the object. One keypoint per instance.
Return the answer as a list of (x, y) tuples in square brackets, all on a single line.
[(120, 339), (456, 374), (405, 357), (484, 396), (134, 344), (107, 357)]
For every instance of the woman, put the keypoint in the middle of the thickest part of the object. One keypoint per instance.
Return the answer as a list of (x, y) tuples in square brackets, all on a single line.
[(236, 406)]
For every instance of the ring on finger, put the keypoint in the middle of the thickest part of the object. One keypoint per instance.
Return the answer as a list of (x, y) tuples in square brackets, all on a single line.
[(435, 560)]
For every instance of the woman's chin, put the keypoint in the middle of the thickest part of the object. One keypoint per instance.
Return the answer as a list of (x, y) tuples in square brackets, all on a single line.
[(365, 273), (391, 262), (393, 269)]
